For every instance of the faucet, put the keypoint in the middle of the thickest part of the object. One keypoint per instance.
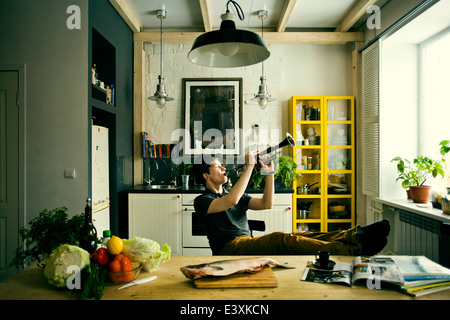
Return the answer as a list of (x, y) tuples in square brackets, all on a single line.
[(149, 181)]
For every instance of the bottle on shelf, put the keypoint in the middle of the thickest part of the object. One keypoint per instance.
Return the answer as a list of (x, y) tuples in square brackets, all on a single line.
[(94, 74), (88, 232)]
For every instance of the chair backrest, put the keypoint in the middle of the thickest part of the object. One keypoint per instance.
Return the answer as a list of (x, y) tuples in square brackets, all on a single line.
[(257, 225)]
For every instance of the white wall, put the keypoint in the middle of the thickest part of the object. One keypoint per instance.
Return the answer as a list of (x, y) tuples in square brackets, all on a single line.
[(290, 70)]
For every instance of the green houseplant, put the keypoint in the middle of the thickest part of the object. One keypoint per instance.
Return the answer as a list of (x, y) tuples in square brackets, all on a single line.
[(286, 170), (414, 175), (185, 170), (285, 173)]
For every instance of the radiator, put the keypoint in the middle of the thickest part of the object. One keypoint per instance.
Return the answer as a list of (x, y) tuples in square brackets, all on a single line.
[(418, 235)]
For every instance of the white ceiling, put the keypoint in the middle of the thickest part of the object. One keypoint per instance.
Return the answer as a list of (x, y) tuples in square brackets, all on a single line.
[(186, 15)]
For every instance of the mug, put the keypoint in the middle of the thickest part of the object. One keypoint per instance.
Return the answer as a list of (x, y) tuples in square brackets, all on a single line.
[(323, 258)]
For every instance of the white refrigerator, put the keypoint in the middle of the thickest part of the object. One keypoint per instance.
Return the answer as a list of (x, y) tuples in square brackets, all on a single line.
[(100, 179)]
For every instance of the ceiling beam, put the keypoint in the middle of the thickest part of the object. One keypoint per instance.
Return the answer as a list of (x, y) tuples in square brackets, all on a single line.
[(285, 15), (206, 14), (269, 37), (125, 12), (358, 10)]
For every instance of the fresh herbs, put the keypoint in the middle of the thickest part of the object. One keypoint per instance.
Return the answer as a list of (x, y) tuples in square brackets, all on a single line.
[(93, 281), (46, 232), (286, 170)]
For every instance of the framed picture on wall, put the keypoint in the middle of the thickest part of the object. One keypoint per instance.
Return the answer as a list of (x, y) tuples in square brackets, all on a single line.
[(213, 116)]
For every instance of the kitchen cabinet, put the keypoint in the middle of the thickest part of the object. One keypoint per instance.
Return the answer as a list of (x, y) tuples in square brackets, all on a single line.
[(168, 218), (156, 216), (324, 196), (279, 218)]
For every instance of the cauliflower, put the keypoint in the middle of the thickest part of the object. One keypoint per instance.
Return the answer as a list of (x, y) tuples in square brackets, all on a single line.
[(57, 269)]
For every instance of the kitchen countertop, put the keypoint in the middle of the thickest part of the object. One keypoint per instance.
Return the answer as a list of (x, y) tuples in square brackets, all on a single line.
[(196, 189), (171, 284)]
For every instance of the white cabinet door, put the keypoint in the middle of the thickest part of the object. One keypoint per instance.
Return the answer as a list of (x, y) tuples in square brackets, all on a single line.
[(279, 218), (157, 217)]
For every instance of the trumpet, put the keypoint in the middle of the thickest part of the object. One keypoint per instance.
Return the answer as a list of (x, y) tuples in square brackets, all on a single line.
[(286, 142)]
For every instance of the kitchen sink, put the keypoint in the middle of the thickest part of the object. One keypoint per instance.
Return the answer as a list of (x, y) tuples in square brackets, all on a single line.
[(163, 187)]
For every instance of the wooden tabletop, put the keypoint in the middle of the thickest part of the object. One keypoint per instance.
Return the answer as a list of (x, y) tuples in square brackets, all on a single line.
[(171, 284)]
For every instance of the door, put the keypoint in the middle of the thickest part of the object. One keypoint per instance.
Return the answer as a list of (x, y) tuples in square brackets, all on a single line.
[(9, 170)]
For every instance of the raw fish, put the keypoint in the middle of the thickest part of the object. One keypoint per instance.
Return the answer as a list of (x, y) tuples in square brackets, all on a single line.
[(227, 267)]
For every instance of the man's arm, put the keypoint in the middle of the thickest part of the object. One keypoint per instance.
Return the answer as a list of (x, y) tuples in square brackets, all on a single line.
[(266, 202), (235, 194)]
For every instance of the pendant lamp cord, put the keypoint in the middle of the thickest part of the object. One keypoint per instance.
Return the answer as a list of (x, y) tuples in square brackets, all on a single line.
[(160, 51), (239, 10), (262, 36)]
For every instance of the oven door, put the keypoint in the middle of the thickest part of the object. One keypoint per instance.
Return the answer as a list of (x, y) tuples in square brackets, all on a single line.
[(194, 235)]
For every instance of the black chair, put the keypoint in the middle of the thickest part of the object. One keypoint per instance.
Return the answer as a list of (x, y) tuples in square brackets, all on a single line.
[(256, 225)]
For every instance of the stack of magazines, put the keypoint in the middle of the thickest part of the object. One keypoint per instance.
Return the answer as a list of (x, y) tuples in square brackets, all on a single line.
[(422, 276), (413, 275)]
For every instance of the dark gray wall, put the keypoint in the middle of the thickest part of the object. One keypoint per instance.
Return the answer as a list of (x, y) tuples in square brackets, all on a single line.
[(34, 34), (119, 118)]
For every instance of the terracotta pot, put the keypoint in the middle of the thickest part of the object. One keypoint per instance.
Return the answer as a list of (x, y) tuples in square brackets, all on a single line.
[(408, 194), (420, 194)]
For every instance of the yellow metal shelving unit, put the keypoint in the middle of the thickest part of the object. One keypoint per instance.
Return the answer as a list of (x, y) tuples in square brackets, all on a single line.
[(324, 196)]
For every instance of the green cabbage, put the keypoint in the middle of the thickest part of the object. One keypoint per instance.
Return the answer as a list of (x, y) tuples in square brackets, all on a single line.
[(63, 263), (146, 251)]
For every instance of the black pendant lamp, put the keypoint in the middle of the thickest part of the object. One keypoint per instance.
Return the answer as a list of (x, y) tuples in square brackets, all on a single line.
[(263, 98), (228, 47), (160, 95)]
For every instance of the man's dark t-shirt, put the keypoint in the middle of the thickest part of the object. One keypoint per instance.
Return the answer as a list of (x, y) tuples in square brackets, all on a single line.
[(222, 227)]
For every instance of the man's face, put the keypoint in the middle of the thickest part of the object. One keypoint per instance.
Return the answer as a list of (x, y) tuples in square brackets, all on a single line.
[(217, 172)]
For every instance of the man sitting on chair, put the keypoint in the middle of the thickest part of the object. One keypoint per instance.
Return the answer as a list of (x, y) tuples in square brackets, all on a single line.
[(224, 216)]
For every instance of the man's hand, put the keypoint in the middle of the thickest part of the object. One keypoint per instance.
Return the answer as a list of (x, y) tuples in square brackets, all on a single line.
[(266, 169), (250, 158)]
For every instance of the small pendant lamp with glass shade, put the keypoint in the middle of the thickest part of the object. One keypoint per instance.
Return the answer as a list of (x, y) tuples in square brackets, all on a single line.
[(262, 97), (160, 95)]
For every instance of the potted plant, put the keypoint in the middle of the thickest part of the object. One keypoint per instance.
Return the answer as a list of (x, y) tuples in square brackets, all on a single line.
[(423, 168), (404, 168), (285, 173), (185, 170), (286, 170)]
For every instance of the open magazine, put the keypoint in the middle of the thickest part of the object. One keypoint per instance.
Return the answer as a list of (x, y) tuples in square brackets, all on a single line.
[(371, 270)]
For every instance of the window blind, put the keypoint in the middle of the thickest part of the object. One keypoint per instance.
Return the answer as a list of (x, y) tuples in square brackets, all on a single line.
[(370, 120)]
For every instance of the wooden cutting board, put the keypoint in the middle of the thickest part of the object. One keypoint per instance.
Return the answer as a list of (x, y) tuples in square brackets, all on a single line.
[(261, 279)]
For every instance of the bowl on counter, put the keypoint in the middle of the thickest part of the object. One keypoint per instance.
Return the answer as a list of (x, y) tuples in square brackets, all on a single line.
[(115, 278)]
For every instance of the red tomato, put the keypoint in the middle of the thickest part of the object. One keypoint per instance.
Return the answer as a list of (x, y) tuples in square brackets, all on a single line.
[(100, 256)]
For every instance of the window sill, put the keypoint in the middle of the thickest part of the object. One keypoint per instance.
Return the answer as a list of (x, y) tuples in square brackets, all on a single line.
[(425, 210)]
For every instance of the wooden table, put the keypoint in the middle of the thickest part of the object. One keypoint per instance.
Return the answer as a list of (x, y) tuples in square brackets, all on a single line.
[(171, 284)]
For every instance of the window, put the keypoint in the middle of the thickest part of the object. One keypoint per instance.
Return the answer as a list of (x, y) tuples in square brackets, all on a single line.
[(434, 120)]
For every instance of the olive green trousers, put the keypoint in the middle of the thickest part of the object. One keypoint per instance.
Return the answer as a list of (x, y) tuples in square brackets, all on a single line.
[(296, 243)]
